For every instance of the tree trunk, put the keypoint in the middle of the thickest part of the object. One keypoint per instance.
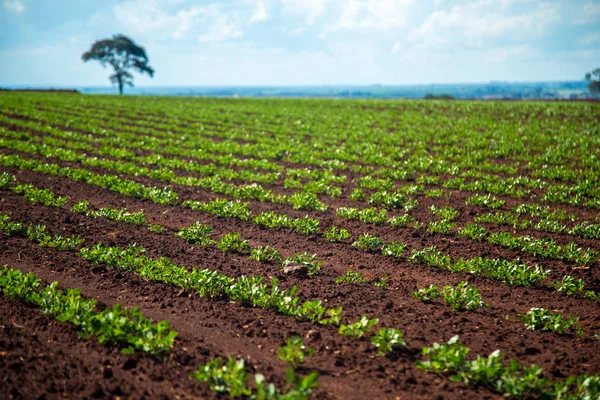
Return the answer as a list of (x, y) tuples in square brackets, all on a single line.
[(120, 85)]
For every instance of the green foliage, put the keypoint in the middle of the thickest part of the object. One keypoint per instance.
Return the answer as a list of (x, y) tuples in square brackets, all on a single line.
[(368, 242), (431, 256), (197, 233), (112, 326), (306, 225), (265, 254), (42, 196), (6, 180), (156, 228), (37, 233), (368, 215), (110, 182), (473, 232), (393, 200), (381, 283), (307, 259), (122, 215), (333, 191), (351, 278), (514, 380), (427, 294), (444, 226), (446, 213), (428, 180), (368, 182), (136, 218), (231, 243), (81, 207), (300, 388), (462, 297), (294, 352), (357, 195), (386, 339), (10, 228), (335, 234), (485, 201), (545, 248), (400, 221), (123, 55), (230, 378), (569, 286), (540, 318), (471, 151), (118, 325), (509, 272), (434, 193), (249, 291), (447, 357), (394, 249), (359, 328), (307, 201), (271, 219), (221, 207)]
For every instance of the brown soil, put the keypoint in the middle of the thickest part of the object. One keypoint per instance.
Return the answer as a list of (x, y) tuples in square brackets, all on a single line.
[(42, 358), (208, 328)]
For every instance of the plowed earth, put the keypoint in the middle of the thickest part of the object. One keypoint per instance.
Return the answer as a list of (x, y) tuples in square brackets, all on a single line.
[(43, 358)]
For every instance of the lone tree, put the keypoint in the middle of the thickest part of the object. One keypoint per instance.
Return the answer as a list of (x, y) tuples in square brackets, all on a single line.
[(123, 54), (593, 78)]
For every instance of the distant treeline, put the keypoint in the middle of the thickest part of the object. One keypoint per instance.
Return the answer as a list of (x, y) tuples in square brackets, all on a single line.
[(567, 90), (430, 96), (40, 90)]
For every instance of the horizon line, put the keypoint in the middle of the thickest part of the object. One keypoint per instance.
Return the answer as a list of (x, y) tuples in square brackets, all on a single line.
[(300, 85)]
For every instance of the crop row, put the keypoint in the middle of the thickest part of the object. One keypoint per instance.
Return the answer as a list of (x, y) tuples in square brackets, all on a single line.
[(196, 233), (477, 155), (507, 186), (248, 291), (584, 230), (389, 198), (114, 325), (513, 273), (300, 200), (200, 234), (18, 285)]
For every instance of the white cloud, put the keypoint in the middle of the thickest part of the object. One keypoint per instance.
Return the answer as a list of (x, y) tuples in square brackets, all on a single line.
[(474, 22), (589, 14), (591, 38), (15, 6), (309, 9), (222, 29), (587, 54), (512, 53), (377, 15), (591, 9), (145, 16), (260, 14)]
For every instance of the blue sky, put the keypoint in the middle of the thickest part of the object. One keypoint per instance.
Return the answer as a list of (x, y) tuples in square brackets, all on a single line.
[(302, 42)]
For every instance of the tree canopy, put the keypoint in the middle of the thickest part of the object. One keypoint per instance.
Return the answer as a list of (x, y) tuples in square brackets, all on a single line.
[(124, 55), (593, 78)]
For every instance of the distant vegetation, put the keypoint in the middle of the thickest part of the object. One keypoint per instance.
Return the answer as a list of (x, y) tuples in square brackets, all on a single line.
[(481, 91), (593, 79), (430, 96), (124, 55)]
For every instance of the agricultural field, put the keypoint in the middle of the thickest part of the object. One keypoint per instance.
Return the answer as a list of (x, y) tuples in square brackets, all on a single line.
[(291, 249)]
